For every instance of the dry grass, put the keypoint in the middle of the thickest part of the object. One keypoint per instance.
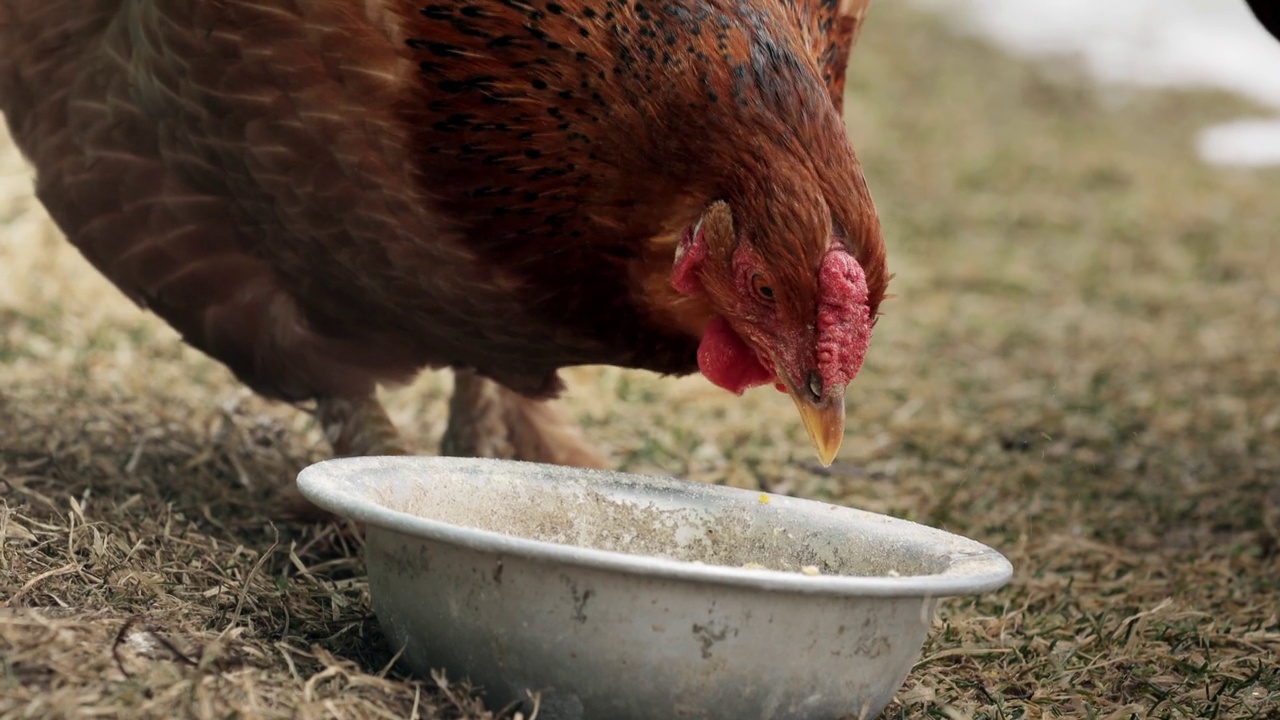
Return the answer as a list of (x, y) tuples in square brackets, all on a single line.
[(1082, 368)]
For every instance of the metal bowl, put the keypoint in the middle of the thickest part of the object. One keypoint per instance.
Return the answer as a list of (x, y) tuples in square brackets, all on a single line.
[(610, 596)]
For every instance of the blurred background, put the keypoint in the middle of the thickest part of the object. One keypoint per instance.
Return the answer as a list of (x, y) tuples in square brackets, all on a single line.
[(1206, 44)]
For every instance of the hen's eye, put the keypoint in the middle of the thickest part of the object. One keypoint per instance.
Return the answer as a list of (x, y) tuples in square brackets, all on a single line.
[(762, 287)]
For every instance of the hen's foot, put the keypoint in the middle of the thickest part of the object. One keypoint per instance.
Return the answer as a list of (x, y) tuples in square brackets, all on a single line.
[(358, 427), (354, 427), (488, 420)]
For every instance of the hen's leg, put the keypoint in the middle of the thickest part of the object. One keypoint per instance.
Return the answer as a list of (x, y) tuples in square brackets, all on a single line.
[(488, 420), (358, 427), (354, 427)]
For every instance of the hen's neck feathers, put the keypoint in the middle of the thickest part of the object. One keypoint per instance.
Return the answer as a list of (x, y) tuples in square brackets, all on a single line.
[(605, 128)]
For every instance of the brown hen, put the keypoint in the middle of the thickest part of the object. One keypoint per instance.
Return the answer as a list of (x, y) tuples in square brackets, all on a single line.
[(326, 195)]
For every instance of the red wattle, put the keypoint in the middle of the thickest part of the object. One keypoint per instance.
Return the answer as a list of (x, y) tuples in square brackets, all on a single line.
[(726, 360)]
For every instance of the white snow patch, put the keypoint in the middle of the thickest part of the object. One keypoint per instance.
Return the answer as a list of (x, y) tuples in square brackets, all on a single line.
[(1153, 43)]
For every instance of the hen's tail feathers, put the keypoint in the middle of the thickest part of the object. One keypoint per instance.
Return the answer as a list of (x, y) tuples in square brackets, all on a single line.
[(833, 31)]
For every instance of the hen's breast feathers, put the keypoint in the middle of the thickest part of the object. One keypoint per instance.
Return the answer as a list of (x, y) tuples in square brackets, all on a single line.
[(290, 183)]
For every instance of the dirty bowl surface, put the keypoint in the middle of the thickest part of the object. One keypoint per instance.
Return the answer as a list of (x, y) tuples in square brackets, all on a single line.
[(624, 597)]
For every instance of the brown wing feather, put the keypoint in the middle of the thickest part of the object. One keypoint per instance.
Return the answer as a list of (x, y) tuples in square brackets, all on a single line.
[(142, 209), (239, 168)]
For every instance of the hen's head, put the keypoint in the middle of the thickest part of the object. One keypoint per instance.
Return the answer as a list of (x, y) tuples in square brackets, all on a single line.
[(793, 303)]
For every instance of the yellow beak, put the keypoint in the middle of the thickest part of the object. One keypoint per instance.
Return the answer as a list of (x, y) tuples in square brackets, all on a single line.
[(825, 424)]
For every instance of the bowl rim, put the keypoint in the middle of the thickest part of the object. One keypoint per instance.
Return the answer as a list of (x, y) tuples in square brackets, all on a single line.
[(340, 485)]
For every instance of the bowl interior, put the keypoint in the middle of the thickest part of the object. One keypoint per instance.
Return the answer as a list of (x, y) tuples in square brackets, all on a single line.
[(655, 518), (585, 515)]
